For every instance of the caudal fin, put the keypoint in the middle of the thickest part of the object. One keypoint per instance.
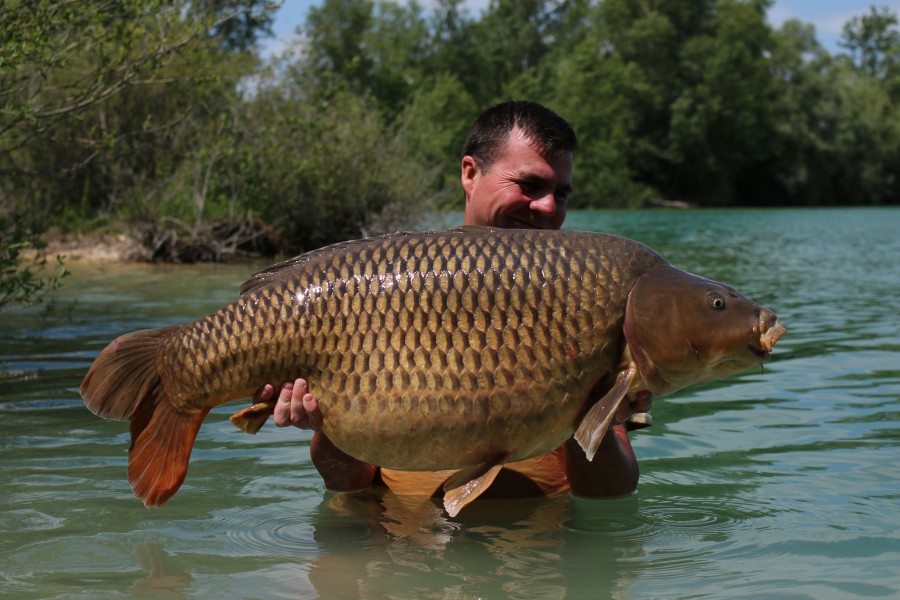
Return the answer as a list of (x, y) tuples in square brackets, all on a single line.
[(123, 383)]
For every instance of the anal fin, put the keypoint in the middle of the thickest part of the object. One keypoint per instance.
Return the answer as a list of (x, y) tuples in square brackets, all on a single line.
[(464, 486), (251, 419), (596, 422)]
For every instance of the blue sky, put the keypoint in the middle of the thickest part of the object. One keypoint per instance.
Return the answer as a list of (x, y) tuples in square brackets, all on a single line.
[(828, 16)]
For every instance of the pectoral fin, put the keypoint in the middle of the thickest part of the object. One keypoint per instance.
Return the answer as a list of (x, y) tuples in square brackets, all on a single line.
[(464, 486), (252, 418), (598, 419)]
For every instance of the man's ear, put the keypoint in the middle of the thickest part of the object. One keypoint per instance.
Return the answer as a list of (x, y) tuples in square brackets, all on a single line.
[(468, 171)]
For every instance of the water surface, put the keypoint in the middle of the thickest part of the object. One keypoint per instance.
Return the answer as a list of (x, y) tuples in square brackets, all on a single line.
[(781, 484)]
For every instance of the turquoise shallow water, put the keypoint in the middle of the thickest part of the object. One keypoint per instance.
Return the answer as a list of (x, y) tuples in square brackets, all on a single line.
[(781, 484)]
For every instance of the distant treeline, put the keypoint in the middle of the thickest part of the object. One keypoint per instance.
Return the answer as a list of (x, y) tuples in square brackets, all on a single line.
[(162, 115)]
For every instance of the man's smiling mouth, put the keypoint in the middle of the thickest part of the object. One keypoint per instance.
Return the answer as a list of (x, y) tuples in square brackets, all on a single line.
[(527, 224)]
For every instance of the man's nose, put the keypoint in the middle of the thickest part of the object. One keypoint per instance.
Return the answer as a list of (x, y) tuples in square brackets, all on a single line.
[(546, 205)]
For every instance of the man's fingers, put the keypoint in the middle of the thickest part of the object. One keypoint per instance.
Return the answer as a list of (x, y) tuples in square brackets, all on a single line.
[(263, 393), (298, 413), (311, 406), (283, 405), (642, 402), (296, 406)]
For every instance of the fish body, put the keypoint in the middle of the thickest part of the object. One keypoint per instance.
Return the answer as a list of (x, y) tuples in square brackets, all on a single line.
[(462, 349)]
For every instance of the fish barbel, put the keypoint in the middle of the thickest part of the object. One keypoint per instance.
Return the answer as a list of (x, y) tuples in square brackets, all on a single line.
[(462, 349)]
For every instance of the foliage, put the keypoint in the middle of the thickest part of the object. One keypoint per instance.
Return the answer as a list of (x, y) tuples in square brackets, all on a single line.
[(432, 126), (874, 43), (160, 113), (24, 280), (101, 103), (320, 166)]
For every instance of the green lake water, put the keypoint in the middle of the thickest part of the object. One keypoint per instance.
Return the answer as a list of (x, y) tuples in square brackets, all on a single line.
[(776, 484)]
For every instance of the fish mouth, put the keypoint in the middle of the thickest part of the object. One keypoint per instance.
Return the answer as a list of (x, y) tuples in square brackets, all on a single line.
[(771, 333)]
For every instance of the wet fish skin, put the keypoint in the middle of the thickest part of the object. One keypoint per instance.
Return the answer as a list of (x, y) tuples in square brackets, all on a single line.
[(427, 351), (456, 345)]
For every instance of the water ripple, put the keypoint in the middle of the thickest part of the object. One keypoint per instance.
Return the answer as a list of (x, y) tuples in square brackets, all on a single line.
[(283, 529), (276, 533), (774, 485)]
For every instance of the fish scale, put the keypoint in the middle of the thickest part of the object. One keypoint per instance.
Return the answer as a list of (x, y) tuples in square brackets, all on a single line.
[(427, 351), (430, 331)]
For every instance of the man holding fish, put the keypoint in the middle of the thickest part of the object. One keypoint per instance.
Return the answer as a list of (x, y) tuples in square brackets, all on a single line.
[(478, 349), (516, 173)]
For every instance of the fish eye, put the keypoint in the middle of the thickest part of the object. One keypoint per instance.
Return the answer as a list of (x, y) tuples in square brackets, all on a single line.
[(716, 300)]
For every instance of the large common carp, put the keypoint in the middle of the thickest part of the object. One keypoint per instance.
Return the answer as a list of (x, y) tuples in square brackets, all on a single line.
[(463, 349)]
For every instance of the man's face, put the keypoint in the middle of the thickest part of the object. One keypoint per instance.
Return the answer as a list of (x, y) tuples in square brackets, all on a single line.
[(520, 190)]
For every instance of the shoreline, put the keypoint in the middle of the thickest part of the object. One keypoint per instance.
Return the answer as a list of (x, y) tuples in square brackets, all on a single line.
[(110, 249), (92, 248)]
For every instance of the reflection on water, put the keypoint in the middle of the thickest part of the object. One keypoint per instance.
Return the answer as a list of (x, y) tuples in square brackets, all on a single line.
[(782, 484), (522, 549), (165, 578)]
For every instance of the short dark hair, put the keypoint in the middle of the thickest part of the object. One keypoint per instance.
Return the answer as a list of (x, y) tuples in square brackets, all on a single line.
[(549, 132)]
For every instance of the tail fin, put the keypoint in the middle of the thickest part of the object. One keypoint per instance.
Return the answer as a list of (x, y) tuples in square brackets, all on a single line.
[(123, 383)]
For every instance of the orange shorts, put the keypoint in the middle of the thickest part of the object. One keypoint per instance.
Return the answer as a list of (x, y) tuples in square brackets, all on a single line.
[(543, 475)]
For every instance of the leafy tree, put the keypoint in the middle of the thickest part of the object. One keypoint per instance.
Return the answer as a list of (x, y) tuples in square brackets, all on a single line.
[(874, 42), (867, 142), (699, 91), (720, 121), (805, 113), (453, 46), (433, 126), (159, 112), (24, 281), (513, 36), (95, 97), (321, 165), (336, 31), (60, 59), (244, 22), (377, 50)]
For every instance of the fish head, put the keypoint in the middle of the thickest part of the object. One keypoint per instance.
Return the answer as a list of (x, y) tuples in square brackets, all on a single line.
[(683, 329)]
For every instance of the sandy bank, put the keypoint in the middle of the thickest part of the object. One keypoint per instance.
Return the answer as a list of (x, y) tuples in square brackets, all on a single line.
[(95, 248)]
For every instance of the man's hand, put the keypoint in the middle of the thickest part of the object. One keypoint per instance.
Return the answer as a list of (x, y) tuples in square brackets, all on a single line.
[(642, 403), (295, 405)]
